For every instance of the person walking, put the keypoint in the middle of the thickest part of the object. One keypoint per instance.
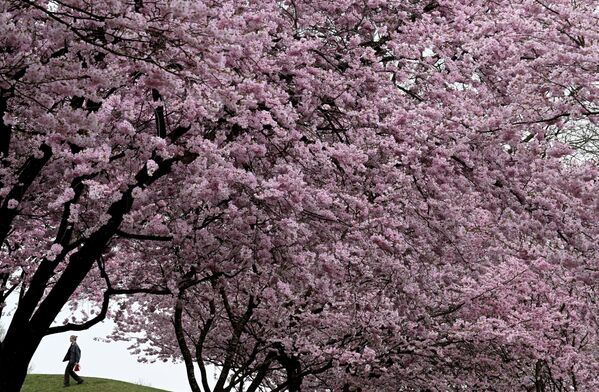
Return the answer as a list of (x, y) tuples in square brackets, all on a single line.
[(73, 355)]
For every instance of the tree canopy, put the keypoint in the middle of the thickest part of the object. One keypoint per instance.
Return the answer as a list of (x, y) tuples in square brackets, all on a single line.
[(348, 195)]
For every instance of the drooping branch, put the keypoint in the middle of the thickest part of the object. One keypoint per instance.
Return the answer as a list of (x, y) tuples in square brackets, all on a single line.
[(104, 309), (109, 292), (88, 324)]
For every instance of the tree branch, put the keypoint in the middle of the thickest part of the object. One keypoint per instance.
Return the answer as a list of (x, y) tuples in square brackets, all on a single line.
[(32, 168), (148, 237), (159, 115), (543, 120), (200, 346), (106, 301), (233, 343)]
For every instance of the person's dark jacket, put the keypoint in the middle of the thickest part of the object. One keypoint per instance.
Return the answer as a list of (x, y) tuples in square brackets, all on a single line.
[(73, 355)]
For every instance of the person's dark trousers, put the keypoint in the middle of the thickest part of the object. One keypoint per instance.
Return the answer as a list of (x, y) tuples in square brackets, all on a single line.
[(70, 372)]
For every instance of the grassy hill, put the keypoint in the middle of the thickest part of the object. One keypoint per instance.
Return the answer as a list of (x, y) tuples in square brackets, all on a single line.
[(53, 383)]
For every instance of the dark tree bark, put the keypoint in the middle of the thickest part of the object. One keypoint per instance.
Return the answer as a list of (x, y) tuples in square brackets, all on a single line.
[(32, 319)]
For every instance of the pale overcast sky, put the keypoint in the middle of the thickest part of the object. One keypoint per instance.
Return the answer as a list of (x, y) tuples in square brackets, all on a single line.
[(106, 360)]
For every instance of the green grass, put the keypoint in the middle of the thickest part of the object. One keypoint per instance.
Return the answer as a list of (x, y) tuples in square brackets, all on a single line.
[(53, 383)]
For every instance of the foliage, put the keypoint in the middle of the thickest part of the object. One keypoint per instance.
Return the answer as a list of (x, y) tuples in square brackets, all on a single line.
[(346, 195)]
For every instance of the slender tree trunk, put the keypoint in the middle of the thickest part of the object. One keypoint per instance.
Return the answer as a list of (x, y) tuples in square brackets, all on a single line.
[(180, 334)]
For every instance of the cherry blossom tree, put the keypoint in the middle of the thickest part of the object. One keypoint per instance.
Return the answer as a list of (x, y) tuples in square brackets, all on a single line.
[(476, 282), (365, 192), (331, 320)]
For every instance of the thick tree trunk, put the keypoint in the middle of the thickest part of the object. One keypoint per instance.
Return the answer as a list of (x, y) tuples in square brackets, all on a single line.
[(15, 355), (33, 318), (28, 328)]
